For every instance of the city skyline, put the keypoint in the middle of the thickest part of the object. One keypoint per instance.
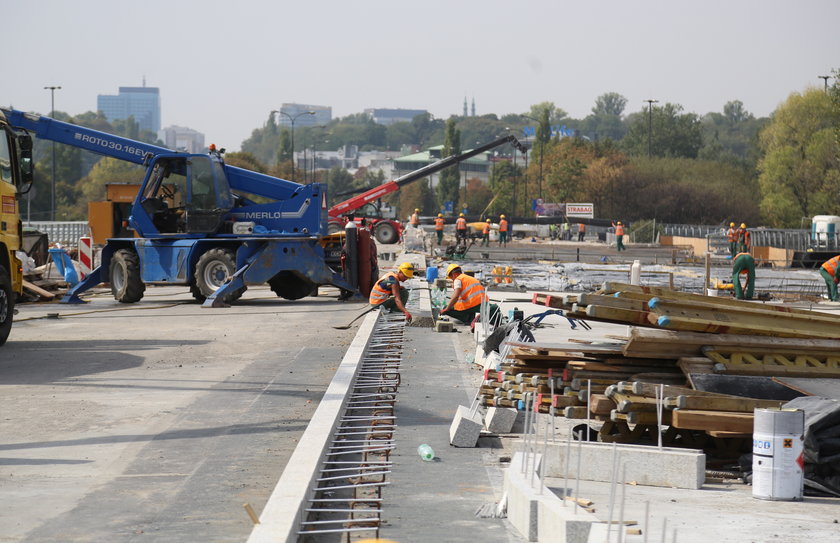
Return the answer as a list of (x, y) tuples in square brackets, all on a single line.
[(225, 76)]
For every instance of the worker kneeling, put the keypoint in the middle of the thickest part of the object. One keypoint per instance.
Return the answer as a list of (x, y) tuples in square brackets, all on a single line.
[(467, 295), (387, 292), (743, 264)]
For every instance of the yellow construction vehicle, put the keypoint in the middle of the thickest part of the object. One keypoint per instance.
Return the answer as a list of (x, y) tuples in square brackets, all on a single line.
[(16, 173)]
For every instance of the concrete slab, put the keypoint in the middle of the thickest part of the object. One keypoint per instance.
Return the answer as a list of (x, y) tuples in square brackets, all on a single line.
[(646, 465), (499, 420)]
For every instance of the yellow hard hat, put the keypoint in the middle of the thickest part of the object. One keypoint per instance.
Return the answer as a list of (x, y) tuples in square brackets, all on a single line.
[(488, 220), (416, 210), (440, 214), (451, 268), (461, 215), (732, 224), (743, 225), (501, 216), (619, 222), (407, 269)]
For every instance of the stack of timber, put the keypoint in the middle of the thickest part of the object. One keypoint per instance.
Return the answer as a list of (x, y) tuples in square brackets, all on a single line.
[(695, 366), (656, 307)]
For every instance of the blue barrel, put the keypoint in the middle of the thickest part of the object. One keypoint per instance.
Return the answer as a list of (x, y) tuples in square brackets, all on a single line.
[(431, 274)]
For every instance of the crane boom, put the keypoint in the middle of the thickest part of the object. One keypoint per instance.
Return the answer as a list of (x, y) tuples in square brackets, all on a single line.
[(394, 185)]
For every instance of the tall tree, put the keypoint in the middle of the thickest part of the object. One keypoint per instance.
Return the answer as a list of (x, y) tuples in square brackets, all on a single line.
[(605, 122), (450, 180), (800, 169), (665, 130)]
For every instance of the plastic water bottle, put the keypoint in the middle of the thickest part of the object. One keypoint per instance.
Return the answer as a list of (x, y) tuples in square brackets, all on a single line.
[(426, 452)]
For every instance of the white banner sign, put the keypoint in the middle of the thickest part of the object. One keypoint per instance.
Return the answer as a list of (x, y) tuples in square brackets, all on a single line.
[(586, 211)]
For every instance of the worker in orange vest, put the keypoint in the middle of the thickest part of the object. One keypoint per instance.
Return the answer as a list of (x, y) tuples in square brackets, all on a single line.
[(467, 295), (485, 234), (415, 218), (439, 222), (830, 271), (387, 292), (503, 230), (581, 231), (461, 228), (743, 239), (732, 238), (619, 236), (743, 264)]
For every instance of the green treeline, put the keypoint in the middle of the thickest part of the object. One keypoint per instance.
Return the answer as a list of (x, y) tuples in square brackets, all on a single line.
[(659, 162)]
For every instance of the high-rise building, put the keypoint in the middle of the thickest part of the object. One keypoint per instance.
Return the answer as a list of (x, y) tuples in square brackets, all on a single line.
[(322, 116), (141, 102), (179, 138)]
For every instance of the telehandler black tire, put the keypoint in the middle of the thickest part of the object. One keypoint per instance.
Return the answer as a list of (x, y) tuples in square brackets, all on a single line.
[(7, 304), (214, 268), (290, 286), (385, 233), (126, 282)]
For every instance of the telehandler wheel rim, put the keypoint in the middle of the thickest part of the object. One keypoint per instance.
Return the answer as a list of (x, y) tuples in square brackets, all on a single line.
[(215, 273)]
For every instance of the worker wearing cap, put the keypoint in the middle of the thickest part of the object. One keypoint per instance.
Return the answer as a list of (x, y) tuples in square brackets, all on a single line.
[(387, 292), (743, 264), (732, 238), (439, 222), (414, 220), (461, 228), (619, 236), (743, 239), (485, 234), (503, 230), (467, 295), (830, 271)]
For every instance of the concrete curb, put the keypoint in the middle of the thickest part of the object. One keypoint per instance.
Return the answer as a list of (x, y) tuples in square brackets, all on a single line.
[(283, 511)]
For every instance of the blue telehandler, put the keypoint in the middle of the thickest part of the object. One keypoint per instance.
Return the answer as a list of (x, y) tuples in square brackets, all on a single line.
[(202, 223)]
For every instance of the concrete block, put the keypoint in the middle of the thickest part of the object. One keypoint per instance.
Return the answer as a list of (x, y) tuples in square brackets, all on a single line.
[(492, 359), (499, 420), (444, 326), (478, 359), (647, 465), (465, 428), (519, 424)]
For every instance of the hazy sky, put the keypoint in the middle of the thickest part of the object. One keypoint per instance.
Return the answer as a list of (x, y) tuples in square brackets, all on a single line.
[(223, 66)]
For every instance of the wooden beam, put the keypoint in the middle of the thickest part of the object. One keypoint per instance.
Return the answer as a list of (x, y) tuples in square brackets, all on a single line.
[(720, 421)]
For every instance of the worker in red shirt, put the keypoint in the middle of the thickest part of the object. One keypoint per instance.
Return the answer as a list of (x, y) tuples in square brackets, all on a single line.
[(439, 222), (732, 238), (503, 230), (619, 236), (461, 228), (830, 271), (485, 234), (743, 239)]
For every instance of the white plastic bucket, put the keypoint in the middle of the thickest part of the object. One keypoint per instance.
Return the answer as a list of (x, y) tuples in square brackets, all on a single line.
[(778, 464)]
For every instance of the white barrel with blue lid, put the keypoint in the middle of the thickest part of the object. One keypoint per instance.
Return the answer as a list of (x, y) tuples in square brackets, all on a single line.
[(778, 454)]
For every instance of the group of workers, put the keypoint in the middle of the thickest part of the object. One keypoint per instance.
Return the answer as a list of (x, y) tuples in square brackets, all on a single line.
[(738, 238), (465, 303), (462, 228)]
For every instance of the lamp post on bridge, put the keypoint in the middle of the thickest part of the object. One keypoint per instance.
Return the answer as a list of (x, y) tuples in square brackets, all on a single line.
[(292, 119), (650, 123), (52, 90)]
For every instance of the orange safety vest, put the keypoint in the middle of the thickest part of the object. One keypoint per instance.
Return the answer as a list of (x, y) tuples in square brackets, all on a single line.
[(461, 224), (831, 265), (415, 220), (581, 227), (379, 294), (745, 237), (503, 225), (731, 234), (486, 228), (472, 292), (439, 222), (619, 230)]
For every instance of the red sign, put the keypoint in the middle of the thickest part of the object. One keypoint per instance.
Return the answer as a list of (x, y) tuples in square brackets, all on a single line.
[(9, 205)]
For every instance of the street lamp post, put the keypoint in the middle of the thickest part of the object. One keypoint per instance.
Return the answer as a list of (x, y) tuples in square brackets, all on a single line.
[(650, 123), (292, 119), (825, 81), (542, 150), (52, 90)]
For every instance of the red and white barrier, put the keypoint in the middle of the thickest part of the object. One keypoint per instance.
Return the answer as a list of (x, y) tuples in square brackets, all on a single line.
[(85, 256)]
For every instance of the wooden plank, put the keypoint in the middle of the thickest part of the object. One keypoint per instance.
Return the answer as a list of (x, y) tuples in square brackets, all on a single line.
[(720, 421), (692, 342), (711, 403), (714, 324), (585, 300), (38, 290), (746, 308), (618, 315)]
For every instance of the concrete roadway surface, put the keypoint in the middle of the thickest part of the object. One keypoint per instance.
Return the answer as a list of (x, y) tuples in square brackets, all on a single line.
[(157, 421)]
